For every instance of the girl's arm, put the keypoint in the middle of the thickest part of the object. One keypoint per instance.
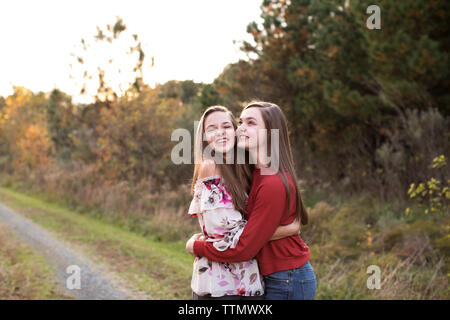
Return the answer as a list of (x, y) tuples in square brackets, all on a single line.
[(285, 231), (270, 205)]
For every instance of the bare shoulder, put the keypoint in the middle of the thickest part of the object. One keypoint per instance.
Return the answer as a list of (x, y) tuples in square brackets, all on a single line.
[(207, 169)]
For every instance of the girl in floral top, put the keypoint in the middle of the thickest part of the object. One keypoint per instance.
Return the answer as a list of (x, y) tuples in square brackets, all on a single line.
[(220, 188)]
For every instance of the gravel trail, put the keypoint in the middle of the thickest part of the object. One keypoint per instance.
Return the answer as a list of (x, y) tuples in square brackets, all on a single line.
[(95, 283)]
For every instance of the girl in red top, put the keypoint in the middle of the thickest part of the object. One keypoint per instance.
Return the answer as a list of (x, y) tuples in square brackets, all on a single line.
[(274, 200), (220, 188)]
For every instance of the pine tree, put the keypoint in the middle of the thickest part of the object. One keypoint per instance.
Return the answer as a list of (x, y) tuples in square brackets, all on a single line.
[(339, 82)]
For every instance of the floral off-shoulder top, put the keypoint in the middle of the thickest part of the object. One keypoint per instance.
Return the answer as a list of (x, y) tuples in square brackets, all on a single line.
[(222, 225)]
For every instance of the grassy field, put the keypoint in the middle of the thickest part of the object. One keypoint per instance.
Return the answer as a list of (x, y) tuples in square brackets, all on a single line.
[(346, 235), (161, 270), (23, 273)]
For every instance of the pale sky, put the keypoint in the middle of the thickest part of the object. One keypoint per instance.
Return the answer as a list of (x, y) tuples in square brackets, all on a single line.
[(190, 39)]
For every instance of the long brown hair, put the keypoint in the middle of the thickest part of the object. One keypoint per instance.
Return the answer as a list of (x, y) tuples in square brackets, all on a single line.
[(236, 177), (274, 119)]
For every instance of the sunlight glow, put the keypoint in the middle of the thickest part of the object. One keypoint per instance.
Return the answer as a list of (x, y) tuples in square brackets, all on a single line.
[(188, 39)]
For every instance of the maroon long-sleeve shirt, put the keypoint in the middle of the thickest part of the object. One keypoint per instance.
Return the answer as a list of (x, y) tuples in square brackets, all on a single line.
[(266, 208)]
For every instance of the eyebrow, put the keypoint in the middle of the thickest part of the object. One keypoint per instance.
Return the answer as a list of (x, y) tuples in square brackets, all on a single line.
[(248, 118)]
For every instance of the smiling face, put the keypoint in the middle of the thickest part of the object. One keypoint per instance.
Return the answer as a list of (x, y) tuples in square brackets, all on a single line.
[(219, 131), (251, 129)]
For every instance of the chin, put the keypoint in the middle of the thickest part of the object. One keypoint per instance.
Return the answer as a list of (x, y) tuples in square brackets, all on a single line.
[(226, 148), (243, 145)]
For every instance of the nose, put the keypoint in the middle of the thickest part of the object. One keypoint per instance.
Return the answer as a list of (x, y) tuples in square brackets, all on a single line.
[(221, 132)]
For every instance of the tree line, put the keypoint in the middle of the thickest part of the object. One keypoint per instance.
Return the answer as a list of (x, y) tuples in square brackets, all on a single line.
[(367, 109)]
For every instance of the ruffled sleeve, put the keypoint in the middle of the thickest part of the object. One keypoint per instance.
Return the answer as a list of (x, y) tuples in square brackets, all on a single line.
[(220, 221), (209, 194), (194, 208)]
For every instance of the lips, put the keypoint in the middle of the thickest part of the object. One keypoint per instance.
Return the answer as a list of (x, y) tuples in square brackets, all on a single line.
[(222, 140)]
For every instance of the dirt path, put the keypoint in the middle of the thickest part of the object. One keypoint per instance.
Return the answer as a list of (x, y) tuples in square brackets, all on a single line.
[(95, 282)]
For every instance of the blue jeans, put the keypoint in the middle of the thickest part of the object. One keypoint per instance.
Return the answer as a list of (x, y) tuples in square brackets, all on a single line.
[(293, 284)]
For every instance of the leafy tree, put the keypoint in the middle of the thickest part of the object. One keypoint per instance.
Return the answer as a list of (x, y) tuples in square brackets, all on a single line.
[(435, 193), (121, 73), (340, 83), (62, 122), (24, 139), (209, 96)]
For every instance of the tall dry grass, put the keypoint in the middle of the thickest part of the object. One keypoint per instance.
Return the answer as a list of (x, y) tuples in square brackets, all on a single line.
[(137, 207), (346, 233), (346, 238), (24, 275)]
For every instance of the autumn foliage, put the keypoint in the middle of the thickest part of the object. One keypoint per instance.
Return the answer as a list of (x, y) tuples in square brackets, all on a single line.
[(368, 111)]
